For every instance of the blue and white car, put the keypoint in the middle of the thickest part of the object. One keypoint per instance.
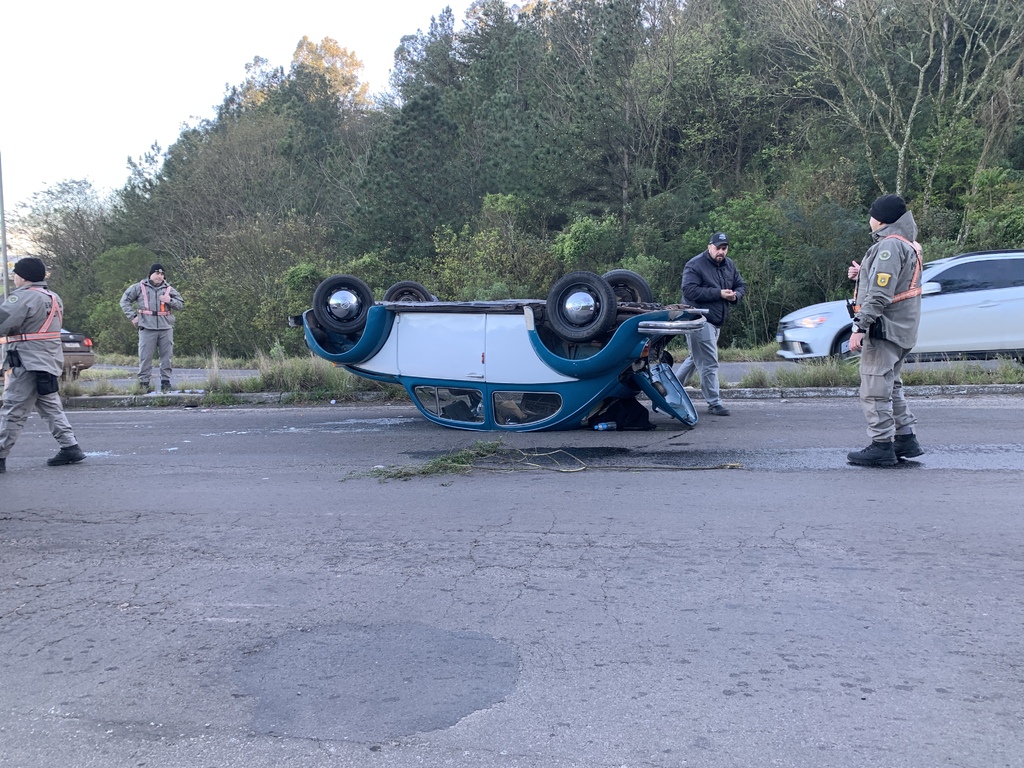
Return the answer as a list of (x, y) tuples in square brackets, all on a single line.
[(972, 306), (516, 364)]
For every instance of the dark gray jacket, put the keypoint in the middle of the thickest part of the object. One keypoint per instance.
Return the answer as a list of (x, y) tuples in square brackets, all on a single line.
[(26, 311), (703, 281), (888, 270)]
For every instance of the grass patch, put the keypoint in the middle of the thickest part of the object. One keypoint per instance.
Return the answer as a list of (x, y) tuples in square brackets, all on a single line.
[(457, 462), (180, 361), (96, 374), (766, 353), (1007, 372), (832, 372)]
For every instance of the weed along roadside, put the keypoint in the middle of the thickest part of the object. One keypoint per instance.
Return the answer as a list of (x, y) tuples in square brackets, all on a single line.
[(825, 379), (314, 382)]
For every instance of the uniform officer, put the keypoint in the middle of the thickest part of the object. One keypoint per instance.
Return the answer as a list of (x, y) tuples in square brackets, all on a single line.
[(153, 300), (887, 303), (33, 358)]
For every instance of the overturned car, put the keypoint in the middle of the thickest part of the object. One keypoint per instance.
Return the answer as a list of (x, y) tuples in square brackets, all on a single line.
[(514, 364)]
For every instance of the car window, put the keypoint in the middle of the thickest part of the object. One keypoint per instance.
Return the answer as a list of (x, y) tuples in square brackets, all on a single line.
[(982, 275), (454, 403), (525, 407)]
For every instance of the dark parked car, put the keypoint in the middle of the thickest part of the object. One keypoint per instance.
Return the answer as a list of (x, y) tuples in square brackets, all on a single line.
[(78, 354)]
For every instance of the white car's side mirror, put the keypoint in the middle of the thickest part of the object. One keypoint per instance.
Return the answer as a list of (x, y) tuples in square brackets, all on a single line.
[(929, 288)]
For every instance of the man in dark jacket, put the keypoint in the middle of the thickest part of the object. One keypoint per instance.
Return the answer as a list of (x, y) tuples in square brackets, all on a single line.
[(888, 312), (712, 282), (33, 358)]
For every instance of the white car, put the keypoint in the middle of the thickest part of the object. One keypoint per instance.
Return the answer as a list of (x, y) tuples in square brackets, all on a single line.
[(972, 306)]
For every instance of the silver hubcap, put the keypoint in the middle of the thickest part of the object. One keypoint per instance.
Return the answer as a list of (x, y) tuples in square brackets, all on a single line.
[(580, 308), (343, 304)]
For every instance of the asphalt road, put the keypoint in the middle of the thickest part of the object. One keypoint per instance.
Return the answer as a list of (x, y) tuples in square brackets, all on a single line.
[(230, 587)]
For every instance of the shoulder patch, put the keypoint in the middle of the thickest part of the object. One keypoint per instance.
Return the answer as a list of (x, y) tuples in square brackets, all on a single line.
[(884, 255), (12, 299), (883, 279)]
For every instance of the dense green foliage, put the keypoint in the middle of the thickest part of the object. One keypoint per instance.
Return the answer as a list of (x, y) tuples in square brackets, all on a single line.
[(568, 134)]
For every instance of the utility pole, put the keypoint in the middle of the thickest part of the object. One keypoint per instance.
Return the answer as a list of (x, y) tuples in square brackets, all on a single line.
[(3, 232)]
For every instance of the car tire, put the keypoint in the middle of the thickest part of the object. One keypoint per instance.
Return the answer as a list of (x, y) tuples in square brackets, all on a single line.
[(408, 290), (580, 307), (629, 287), (340, 304), (837, 346)]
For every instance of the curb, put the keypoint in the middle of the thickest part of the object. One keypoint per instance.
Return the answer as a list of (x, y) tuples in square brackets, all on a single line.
[(183, 399), (930, 390), (194, 400)]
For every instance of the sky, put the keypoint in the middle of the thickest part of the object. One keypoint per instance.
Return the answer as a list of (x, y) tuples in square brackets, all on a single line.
[(86, 84)]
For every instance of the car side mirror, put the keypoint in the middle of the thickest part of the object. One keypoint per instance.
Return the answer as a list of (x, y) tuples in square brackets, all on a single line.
[(929, 288)]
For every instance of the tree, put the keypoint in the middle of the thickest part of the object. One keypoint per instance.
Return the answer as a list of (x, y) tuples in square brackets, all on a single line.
[(897, 73), (66, 223)]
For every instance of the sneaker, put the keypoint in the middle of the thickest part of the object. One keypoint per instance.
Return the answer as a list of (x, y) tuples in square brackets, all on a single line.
[(70, 455), (718, 410), (907, 447), (878, 454)]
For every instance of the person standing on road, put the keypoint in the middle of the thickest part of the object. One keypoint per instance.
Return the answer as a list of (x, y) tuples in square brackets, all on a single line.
[(33, 358), (149, 304), (887, 312), (710, 281)]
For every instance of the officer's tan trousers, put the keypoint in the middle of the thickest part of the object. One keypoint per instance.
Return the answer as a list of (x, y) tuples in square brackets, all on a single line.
[(881, 390), (150, 342), (20, 397)]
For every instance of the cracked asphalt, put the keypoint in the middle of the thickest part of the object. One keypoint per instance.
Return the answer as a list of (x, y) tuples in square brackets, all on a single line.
[(232, 587)]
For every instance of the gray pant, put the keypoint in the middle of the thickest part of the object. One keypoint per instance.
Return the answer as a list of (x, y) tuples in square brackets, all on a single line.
[(151, 341), (20, 397), (881, 390), (703, 357)]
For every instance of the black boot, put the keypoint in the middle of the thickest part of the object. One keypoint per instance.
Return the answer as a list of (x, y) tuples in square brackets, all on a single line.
[(878, 454), (146, 386), (70, 455), (3, 466), (165, 385), (907, 447)]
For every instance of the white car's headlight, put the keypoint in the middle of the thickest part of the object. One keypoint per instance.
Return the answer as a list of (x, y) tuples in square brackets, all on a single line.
[(813, 321)]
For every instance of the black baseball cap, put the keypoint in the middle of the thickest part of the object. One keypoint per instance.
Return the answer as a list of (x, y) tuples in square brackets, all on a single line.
[(719, 238)]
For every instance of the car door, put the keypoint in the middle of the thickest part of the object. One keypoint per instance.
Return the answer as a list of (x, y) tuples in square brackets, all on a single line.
[(441, 345), (966, 314), (1011, 298)]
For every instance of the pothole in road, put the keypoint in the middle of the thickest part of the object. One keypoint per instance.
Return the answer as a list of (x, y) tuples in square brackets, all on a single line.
[(374, 683)]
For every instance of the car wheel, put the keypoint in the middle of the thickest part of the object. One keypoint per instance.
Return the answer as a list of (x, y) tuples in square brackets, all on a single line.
[(837, 346), (629, 287), (341, 302), (581, 306), (407, 290)]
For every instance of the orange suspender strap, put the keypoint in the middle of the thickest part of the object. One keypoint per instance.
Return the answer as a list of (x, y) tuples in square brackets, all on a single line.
[(145, 303), (914, 289), (43, 334)]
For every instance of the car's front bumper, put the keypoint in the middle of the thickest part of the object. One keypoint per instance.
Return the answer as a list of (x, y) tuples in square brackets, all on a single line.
[(802, 343)]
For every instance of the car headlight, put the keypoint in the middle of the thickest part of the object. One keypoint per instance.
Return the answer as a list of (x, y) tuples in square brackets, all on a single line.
[(813, 321)]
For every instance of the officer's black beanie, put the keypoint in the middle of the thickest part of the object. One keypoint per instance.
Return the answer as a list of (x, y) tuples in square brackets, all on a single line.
[(30, 268), (154, 268), (888, 208)]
